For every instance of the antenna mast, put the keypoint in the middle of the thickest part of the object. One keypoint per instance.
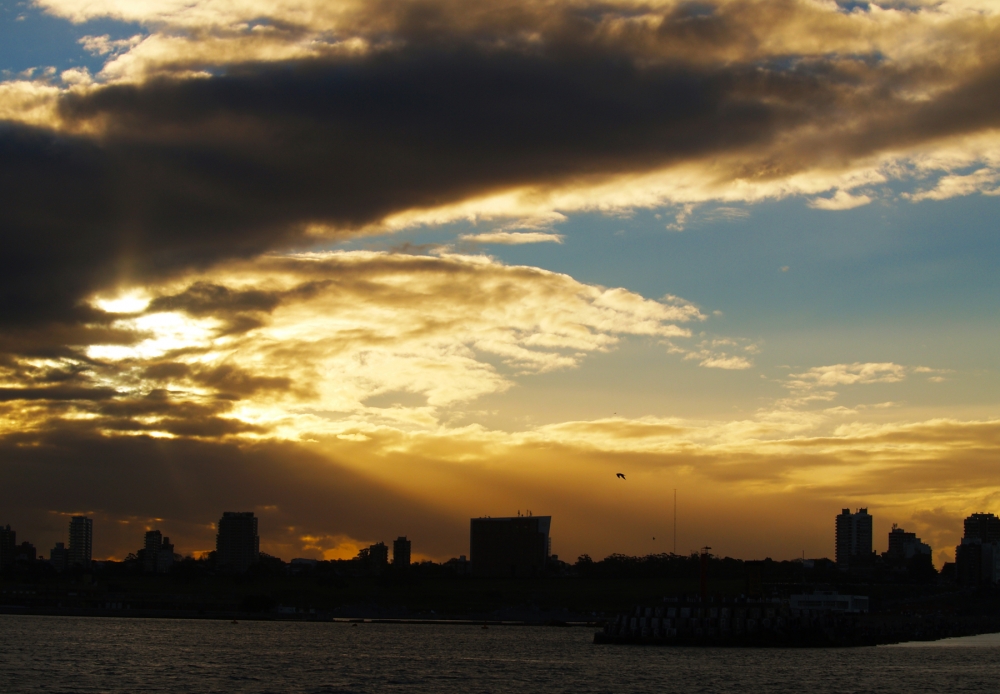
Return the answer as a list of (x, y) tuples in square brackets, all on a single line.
[(675, 521)]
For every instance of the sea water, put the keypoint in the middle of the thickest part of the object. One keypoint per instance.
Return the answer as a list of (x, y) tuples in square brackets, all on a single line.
[(80, 654)]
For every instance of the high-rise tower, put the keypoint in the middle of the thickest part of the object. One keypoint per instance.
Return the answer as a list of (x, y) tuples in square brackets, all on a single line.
[(237, 545), (401, 553), (854, 538), (977, 558), (81, 541), (982, 526)]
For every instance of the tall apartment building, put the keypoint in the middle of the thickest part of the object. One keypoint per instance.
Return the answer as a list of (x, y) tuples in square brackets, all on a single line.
[(401, 553), (977, 558), (854, 538), (509, 547), (152, 542), (982, 526), (8, 543), (378, 557), (237, 545), (374, 559), (81, 541)]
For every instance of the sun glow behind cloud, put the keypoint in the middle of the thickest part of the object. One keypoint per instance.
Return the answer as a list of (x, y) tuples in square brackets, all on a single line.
[(124, 302), (167, 332), (336, 329)]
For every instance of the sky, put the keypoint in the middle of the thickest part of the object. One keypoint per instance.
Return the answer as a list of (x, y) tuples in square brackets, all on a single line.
[(371, 269)]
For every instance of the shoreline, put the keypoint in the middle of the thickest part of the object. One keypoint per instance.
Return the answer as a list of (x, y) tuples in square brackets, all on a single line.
[(225, 615), (960, 628)]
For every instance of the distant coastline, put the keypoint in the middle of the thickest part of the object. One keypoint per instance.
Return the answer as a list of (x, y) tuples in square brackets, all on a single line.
[(17, 610), (859, 631)]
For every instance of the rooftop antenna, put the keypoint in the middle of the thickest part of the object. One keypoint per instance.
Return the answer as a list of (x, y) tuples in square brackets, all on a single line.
[(704, 552), (675, 521)]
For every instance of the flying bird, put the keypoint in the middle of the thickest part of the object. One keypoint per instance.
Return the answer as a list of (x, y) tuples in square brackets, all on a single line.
[(620, 475)]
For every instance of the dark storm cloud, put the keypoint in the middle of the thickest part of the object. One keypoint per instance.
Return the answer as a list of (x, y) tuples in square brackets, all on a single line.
[(56, 393), (231, 382), (203, 298), (188, 172), (235, 383), (239, 307)]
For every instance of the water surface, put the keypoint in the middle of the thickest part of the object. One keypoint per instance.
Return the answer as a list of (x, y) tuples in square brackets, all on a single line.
[(82, 654)]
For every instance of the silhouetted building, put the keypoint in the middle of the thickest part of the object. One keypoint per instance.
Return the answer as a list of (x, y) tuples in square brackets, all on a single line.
[(908, 557), (904, 546), (969, 562), (374, 559), (165, 558), (8, 541), (237, 545), (81, 539), (977, 558), (157, 554), (150, 548), (982, 526), (153, 541), (59, 557), (514, 547), (854, 538), (401, 553), (378, 557), (25, 553)]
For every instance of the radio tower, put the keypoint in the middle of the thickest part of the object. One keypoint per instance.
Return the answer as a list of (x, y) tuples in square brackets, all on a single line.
[(675, 521)]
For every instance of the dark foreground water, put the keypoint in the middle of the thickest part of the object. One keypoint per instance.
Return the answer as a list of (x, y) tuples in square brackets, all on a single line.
[(78, 654)]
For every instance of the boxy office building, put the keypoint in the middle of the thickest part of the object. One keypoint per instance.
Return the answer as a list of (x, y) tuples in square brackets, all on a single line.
[(516, 547)]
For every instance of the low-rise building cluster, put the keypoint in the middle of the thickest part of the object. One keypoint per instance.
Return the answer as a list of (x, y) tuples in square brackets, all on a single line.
[(374, 559), (906, 556)]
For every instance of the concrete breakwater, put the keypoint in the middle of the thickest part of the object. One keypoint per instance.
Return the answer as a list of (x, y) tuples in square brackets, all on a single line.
[(777, 624)]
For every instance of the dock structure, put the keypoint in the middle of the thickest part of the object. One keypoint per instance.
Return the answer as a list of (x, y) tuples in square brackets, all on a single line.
[(830, 622)]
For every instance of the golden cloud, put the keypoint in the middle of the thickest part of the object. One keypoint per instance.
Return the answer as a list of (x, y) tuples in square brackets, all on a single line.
[(289, 346), (513, 238)]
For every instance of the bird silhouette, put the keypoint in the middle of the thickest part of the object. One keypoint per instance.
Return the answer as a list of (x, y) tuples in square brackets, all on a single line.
[(620, 475)]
